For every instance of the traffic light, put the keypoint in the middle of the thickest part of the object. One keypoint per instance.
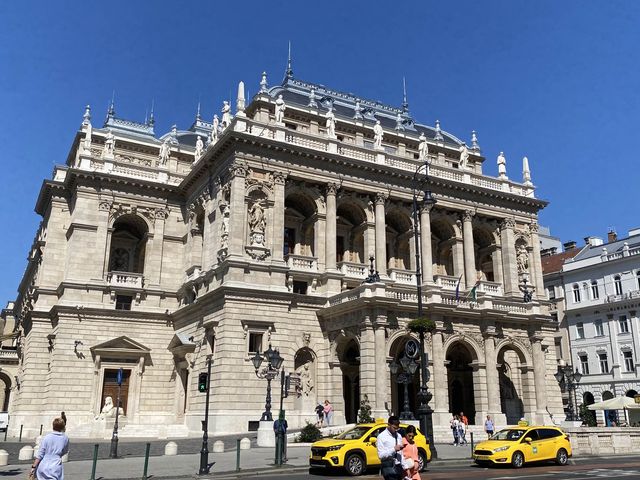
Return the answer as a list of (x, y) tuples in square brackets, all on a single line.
[(202, 382)]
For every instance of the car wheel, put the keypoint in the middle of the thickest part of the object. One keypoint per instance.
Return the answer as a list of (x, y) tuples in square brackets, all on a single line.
[(422, 461), (354, 464), (517, 461), (562, 457)]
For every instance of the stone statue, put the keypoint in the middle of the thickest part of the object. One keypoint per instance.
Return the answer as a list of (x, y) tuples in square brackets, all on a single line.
[(464, 155), (502, 165), (331, 124), (377, 135), (257, 222), (280, 108), (165, 152), (226, 114), (199, 148), (224, 226), (215, 128), (108, 411), (109, 145), (522, 258), (423, 147), (306, 381)]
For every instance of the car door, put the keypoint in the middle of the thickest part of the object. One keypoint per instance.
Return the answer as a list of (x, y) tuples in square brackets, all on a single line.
[(549, 443), (531, 449), (370, 448)]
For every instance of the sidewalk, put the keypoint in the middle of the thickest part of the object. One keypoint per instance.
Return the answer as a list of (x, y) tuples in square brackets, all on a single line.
[(185, 466)]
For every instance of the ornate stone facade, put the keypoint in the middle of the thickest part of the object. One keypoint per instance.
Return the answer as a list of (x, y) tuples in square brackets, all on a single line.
[(153, 263)]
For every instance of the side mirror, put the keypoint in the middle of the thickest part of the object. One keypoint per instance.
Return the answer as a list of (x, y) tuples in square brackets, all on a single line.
[(527, 440), (373, 440)]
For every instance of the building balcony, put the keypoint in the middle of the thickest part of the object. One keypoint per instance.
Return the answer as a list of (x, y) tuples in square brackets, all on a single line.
[(125, 280), (351, 269), (623, 296), (446, 282), (490, 288), (399, 275), (301, 263)]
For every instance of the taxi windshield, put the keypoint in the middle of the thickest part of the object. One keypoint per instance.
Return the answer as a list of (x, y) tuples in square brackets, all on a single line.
[(353, 434), (510, 435)]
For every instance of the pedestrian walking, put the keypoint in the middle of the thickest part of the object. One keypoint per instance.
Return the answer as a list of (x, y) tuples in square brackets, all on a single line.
[(410, 455), (390, 445), (455, 429), (320, 414), (328, 412), (488, 426), (48, 462), (464, 423)]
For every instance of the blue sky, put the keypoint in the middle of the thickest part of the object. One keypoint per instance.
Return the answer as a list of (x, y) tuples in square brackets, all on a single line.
[(557, 81)]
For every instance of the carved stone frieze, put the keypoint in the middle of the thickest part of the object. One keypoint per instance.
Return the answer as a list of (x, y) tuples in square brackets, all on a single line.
[(331, 189)]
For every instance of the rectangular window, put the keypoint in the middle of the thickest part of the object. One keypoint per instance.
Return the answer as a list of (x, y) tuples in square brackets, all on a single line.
[(579, 330), (123, 302), (551, 292), (300, 287), (576, 294), (255, 342), (604, 363), (595, 294), (599, 328), (289, 240), (628, 361), (623, 323), (339, 249), (584, 364)]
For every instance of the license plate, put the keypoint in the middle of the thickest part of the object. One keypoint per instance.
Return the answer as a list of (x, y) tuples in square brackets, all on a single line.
[(316, 458), (482, 457)]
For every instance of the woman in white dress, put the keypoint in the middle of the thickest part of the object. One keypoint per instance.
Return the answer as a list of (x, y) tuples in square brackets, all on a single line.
[(48, 462)]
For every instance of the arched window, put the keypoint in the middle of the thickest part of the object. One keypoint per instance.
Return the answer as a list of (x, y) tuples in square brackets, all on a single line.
[(617, 281), (595, 294), (128, 242), (576, 293)]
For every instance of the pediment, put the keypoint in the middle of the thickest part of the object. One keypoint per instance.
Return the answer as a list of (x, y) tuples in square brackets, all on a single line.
[(121, 346)]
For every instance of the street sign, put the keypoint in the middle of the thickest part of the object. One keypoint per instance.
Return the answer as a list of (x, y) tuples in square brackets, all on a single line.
[(412, 349), (119, 376)]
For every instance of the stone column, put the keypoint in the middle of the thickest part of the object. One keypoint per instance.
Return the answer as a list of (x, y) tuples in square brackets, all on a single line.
[(539, 372), (426, 256), (331, 225), (153, 274), (469, 254), (102, 237), (493, 385), (536, 262), (237, 215), (368, 362), (497, 264), (509, 265), (457, 252), (278, 217), (382, 371), (440, 388), (381, 237)]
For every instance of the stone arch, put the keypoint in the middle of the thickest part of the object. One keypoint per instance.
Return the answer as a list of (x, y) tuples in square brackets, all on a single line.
[(515, 381), (5, 391), (306, 367), (485, 250), (300, 223), (352, 243), (399, 235), (610, 416), (348, 351), (129, 235), (308, 191), (443, 240), (461, 359)]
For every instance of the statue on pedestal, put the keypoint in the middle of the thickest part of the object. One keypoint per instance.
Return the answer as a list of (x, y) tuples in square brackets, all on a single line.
[(280, 108), (108, 411), (215, 128), (257, 224), (199, 148), (423, 147), (502, 165), (331, 124), (165, 152), (377, 135), (522, 258), (109, 145), (464, 155), (226, 114)]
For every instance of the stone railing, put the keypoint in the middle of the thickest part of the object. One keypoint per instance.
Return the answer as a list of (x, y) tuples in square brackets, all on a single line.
[(513, 307), (8, 354), (348, 296), (623, 296), (301, 262), (125, 279), (446, 281), (586, 441), (351, 269), (626, 252), (403, 276), (490, 288)]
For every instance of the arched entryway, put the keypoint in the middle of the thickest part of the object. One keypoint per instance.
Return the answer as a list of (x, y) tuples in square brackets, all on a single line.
[(350, 365), (460, 380), (397, 389), (5, 391), (610, 416)]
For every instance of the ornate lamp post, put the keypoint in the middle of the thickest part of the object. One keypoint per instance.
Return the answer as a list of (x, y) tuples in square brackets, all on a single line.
[(526, 289), (113, 453), (270, 371), (568, 380), (424, 396), (405, 377)]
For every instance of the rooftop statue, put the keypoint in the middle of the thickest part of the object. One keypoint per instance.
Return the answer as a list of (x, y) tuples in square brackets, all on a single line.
[(215, 129), (226, 114), (165, 152), (109, 144), (377, 135), (423, 147), (464, 156), (199, 148), (280, 108), (331, 124), (502, 165)]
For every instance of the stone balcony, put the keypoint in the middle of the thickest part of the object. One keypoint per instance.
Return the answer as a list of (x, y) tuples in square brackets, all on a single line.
[(407, 277), (353, 270), (623, 296), (301, 263), (125, 280)]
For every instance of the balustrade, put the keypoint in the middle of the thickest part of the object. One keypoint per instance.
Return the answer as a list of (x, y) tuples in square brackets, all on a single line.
[(301, 262), (351, 269), (125, 279)]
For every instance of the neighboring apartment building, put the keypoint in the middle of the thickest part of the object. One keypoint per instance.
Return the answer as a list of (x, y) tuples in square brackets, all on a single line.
[(155, 253), (596, 290)]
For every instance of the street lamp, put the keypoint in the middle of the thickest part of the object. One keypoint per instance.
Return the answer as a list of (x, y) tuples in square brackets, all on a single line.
[(568, 380), (424, 396), (404, 377), (526, 289), (113, 452), (274, 362)]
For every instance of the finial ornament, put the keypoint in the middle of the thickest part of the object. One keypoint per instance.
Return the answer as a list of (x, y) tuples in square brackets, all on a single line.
[(86, 118), (474, 141), (240, 101), (112, 106), (152, 119), (502, 166), (198, 112), (312, 98), (438, 136), (86, 126), (263, 83), (405, 104), (289, 72), (526, 173)]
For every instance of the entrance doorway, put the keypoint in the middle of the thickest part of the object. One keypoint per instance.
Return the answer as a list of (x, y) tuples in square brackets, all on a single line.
[(460, 381), (350, 364), (110, 388)]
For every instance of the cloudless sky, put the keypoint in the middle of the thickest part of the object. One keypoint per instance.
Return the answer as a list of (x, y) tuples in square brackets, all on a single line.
[(557, 81)]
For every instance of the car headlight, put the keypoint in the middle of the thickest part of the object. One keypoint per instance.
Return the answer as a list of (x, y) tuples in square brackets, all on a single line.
[(333, 448), (501, 449)]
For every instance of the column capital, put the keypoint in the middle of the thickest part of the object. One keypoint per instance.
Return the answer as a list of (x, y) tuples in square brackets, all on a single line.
[(508, 223), (534, 227), (536, 338), (467, 215), (426, 208), (238, 170), (489, 331), (381, 198), (279, 178), (331, 188)]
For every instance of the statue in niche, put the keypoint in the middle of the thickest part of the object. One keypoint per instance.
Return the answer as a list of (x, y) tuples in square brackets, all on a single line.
[(199, 148), (502, 165), (306, 378), (522, 258), (423, 147), (331, 124), (109, 145), (224, 227), (226, 114), (257, 224), (377, 135), (464, 156), (108, 411), (165, 152), (280, 108)]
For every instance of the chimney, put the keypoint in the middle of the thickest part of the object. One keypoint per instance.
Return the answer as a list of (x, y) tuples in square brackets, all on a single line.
[(570, 245), (612, 236), (593, 241)]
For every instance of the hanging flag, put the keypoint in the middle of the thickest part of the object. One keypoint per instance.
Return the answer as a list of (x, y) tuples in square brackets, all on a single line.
[(458, 289)]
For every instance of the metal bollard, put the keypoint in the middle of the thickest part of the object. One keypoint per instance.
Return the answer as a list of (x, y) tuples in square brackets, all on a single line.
[(237, 455), (471, 444), (20, 439), (146, 461), (6, 431), (95, 461), (40, 429)]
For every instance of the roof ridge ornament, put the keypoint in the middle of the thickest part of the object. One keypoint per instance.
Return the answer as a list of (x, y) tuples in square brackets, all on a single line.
[(86, 118), (198, 117), (474, 141), (288, 74), (405, 104), (111, 111), (526, 172), (438, 136), (263, 83)]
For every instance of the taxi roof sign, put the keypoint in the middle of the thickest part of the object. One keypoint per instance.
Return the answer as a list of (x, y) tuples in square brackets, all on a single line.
[(523, 423)]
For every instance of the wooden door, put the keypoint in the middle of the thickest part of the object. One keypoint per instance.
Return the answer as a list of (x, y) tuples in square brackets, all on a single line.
[(110, 388)]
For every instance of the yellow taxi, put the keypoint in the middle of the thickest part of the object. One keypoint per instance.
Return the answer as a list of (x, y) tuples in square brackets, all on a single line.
[(523, 444), (355, 449)]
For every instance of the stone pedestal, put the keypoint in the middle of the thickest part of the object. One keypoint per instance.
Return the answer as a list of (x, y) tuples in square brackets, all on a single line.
[(266, 435)]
